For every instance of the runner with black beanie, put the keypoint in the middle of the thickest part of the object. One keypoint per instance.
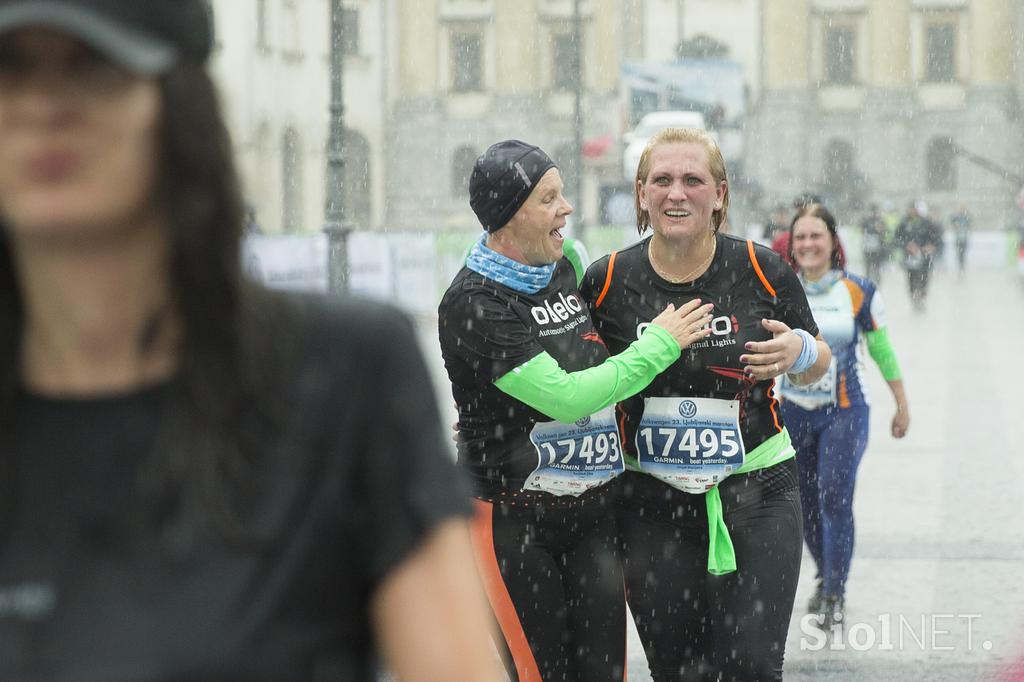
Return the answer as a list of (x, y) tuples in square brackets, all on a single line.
[(535, 386)]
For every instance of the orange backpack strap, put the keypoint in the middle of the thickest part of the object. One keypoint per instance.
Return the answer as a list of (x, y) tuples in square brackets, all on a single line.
[(757, 269), (607, 280)]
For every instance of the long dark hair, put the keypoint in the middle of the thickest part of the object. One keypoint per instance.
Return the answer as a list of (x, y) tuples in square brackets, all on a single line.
[(198, 192), (815, 210)]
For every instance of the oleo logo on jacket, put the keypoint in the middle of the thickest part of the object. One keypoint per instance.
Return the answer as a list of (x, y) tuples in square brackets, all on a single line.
[(559, 311)]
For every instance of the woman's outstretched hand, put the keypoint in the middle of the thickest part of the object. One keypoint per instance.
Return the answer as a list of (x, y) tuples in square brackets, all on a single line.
[(688, 323), (769, 359)]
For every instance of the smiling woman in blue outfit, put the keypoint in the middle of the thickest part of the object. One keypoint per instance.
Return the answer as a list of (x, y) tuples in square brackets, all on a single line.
[(829, 418)]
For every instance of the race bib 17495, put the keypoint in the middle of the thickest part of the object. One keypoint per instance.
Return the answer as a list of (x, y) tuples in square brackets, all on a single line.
[(692, 444)]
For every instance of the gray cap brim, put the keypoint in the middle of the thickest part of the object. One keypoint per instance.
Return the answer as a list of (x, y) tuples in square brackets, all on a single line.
[(141, 53)]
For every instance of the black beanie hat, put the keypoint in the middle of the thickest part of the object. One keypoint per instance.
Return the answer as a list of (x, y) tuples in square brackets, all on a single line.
[(503, 178)]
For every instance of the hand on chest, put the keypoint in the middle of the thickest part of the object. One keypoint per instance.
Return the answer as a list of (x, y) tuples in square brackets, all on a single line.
[(712, 364)]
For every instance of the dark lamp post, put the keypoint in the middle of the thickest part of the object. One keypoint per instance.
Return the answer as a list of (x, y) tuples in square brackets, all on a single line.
[(336, 225), (578, 85)]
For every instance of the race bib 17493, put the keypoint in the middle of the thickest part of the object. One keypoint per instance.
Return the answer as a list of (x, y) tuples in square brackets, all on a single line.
[(573, 458)]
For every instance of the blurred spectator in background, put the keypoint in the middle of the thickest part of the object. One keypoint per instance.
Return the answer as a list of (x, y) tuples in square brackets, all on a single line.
[(919, 239), (961, 224), (778, 222), (874, 239)]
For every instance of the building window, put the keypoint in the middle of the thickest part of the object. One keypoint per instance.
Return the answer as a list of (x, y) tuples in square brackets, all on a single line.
[(565, 62), (466, 56), (940, 52), (839, 55), (839, 162), (941, 162), (291, 43), (567, 168), (843, 183), (461, 10), (262, 44), (462, 166), (291, 180), (349, 31)]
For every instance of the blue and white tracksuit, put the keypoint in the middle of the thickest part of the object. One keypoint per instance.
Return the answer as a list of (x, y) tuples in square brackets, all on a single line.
[(828, 421)]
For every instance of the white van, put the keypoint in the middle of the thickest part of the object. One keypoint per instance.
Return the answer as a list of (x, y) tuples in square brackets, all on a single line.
[(650, 124)]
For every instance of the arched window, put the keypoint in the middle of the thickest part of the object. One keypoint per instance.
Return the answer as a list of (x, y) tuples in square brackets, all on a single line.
[(262, 41), (844, 185), (838, 164), (941, 164), (356, 181), (463, 159), (291, 181)]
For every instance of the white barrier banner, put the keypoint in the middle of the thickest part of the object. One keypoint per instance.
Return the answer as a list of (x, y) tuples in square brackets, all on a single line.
[(369, 265), (415, 275), (287, 262)]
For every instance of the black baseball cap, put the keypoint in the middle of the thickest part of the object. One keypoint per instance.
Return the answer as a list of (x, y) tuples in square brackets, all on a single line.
[(146, 37)]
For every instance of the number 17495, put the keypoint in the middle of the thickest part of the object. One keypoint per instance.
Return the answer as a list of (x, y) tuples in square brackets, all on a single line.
[(703, 443)]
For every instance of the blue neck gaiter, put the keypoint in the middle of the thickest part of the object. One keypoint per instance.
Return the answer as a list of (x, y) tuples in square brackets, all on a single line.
[(526, 279), (822, 285)]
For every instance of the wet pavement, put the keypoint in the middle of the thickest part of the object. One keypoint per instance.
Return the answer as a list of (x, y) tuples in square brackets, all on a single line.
[(934, 591)]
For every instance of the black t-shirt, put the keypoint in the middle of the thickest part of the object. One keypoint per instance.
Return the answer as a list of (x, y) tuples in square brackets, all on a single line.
[(487, 330), (709, 368), (355, 478)]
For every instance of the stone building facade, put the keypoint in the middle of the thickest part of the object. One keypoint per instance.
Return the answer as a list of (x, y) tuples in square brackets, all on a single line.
[(872, 100), (472, 72), (272, 68)]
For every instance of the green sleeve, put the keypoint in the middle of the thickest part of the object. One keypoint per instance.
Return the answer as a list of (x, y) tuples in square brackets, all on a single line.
[(577, 254), (882, 352), (543, 385)]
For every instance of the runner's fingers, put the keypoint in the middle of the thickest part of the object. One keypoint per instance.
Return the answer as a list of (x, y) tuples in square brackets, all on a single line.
[(699, 329), (763, 372), (775, 326), (763, 359), (696, 331), (694, 321), (689, 307), (693, 314), (700, 322), (770, 346)]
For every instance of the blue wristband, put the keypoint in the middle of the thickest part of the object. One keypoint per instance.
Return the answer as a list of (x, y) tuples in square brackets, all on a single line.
[(808, 354)]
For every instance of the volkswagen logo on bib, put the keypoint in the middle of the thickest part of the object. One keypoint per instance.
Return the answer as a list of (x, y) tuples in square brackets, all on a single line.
[(688, 409), (582, 422)]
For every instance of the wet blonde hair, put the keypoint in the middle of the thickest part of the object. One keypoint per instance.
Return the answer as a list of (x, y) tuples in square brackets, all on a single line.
[(716, 164)]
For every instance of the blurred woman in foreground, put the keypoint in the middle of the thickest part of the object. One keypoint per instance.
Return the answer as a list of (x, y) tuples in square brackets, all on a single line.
[(191, 489)]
